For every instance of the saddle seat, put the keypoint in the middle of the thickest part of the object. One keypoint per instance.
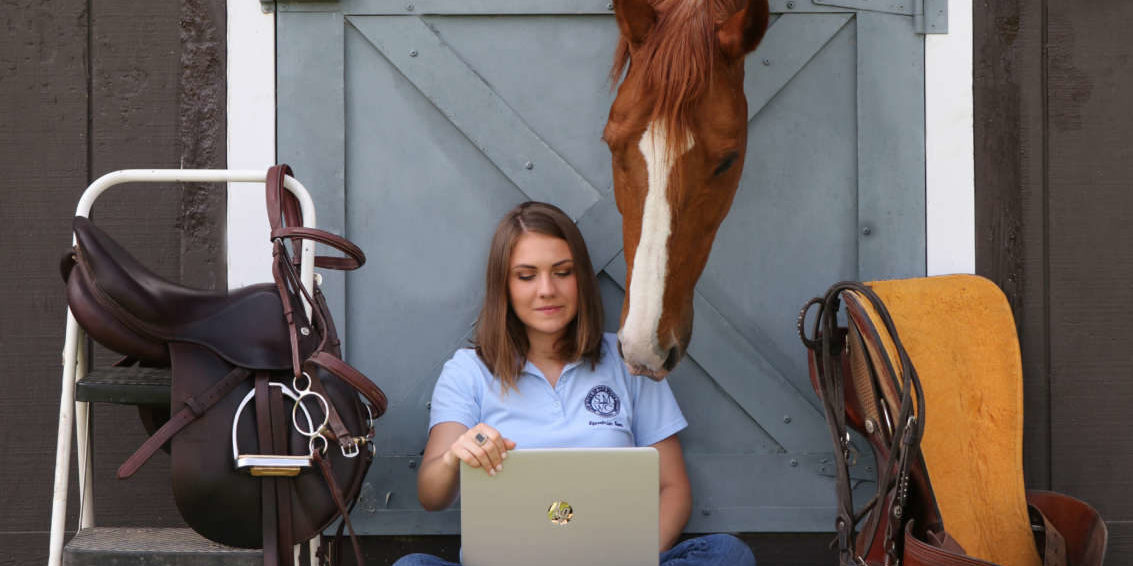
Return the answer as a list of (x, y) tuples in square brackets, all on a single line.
[(132, 310)]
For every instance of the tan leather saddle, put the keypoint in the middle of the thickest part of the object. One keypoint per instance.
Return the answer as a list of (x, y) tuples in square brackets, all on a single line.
[(270, 440), (941, 406)]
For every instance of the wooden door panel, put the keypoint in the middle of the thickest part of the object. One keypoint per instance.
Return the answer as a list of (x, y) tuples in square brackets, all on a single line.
[(434, 120)]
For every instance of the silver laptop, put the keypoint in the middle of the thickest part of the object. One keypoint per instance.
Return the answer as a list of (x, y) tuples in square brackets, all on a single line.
[(562, 507)]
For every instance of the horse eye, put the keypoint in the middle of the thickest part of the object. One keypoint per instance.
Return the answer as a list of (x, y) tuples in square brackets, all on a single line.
[(725, 164)]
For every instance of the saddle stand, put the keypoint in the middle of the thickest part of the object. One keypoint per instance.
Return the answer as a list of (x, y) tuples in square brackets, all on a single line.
[(240, 362)]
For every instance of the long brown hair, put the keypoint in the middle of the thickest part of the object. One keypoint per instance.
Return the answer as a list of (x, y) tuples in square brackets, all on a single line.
[(501, 338)]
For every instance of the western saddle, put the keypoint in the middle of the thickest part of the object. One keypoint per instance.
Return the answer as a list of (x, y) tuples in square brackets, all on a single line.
[(941, 406)]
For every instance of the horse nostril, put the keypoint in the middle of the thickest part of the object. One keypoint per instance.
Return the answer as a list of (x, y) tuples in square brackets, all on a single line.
[(620, 353), (672, 359)]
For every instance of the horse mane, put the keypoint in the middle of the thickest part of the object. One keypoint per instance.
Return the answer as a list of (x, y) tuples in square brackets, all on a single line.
[(677, 58)]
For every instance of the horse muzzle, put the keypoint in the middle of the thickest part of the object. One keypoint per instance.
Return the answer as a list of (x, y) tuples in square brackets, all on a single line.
[(647, 360)]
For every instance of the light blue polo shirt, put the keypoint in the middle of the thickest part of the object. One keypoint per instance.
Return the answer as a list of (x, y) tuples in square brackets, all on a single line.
[(587, 408)]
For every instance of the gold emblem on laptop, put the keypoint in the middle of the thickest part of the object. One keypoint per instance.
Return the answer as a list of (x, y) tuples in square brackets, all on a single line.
[(560, 513)]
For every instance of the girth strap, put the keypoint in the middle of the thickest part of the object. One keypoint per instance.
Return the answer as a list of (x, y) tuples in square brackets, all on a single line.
[(194, 407), (271, 429), (272, 543), (283, 485)]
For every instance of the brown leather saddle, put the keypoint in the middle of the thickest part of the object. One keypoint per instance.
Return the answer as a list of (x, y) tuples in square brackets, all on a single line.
[(270, 440), (941, 406)]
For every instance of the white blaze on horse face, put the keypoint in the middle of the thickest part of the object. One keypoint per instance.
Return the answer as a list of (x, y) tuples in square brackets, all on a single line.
[(638, 335)]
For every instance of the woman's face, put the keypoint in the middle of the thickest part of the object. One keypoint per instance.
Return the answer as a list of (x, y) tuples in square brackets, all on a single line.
[(541, 284)]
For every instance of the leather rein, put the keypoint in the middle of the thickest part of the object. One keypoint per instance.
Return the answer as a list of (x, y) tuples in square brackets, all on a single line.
[(286, 221), (829, 346)]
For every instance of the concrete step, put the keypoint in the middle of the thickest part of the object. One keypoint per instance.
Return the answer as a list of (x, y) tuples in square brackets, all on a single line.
[(100, 546)]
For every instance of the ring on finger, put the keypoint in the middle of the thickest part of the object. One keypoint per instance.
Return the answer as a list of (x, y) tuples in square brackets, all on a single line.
[(480, 439)]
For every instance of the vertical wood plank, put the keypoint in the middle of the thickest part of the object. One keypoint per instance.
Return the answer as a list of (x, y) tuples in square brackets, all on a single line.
[(1010, 188), (86, 88), (135, 68), (1090, 259), (43, 156), (1052, 91)]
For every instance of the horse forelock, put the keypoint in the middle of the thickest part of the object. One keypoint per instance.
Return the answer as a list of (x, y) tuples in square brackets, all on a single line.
[(676, 59)]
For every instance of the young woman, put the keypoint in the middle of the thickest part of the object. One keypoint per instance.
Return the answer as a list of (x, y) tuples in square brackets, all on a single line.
[(539, 374)]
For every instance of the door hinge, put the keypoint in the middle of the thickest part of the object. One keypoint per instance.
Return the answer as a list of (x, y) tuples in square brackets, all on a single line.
[(929, 16)]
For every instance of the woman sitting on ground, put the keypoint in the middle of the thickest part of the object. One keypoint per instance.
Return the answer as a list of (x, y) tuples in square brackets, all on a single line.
[(539, 350)]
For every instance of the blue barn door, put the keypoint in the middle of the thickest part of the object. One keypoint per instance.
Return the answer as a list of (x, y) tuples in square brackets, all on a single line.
[(418, 123)]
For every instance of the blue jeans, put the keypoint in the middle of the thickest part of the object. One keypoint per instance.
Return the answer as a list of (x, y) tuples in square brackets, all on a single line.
[(711, 550)]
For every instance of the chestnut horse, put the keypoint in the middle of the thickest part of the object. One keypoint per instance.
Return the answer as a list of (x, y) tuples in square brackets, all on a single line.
[(678, 134)]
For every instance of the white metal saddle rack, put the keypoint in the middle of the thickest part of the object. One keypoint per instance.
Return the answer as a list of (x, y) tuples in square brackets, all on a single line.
[(75, 354)]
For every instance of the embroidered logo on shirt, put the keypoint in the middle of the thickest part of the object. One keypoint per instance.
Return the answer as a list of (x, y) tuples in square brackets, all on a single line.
[(602, 401)]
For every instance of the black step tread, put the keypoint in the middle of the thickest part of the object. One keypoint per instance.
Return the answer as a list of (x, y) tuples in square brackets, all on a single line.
[(125, 386), (124, 546)]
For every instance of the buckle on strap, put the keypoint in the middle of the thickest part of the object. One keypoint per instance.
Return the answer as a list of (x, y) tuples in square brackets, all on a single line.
[(843, 531), (350, 449)]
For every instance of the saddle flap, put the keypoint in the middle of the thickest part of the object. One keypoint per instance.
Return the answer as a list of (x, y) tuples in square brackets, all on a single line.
[(223, 502)]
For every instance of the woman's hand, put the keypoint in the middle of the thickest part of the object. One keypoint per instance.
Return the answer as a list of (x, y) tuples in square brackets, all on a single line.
[(480, 447), (438, 479)]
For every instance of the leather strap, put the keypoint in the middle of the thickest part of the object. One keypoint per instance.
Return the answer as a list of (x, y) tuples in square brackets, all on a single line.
[(1078, 524), (354, 259), (270, 525), (287, 280), (354, 378), (283, 485), (920, 553), (280, 272), (324, 466), (326, 550), (283, 207), (286, 220), (194, 407), (894, 475), (281, 204), (1050, 542)]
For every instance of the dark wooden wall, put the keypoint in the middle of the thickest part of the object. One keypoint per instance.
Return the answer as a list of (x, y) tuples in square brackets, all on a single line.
[(1054, 197), (89, 87)]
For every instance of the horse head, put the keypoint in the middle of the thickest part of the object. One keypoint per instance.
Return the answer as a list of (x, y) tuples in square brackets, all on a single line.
[(677, 132)]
